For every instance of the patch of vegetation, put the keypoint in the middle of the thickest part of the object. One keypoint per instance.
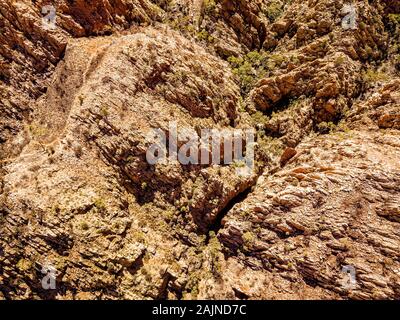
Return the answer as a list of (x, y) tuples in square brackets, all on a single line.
[(150, 217), (340, 60), (100, 204), (371, 76), (246, 214), (326, 127), (259, 118), (273, 10), (369, 51), (139, 236), (146, 274), (393, 25), (104, 111), (209, 6), (254, 66), (24, 264), (179, 24), (78, 150), (242, 105), (169, 215), (247, 76), (239, 164), (275, 61), (394, 18), (107, 30), (55, 209), (81, 99), (36, 130), (397, 62), (248, 239), (84, 225), (192, 285), (269, 146), (249, 68), (215, 249), (203, 35)]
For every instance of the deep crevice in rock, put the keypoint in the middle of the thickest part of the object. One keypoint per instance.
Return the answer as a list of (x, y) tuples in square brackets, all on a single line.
[(216, 226)]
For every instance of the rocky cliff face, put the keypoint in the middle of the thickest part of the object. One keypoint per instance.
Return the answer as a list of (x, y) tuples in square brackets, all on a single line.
[(81, 92)]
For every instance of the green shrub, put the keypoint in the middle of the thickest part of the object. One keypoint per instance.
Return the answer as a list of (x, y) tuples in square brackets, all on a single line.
[(273, 10), (104, 111), (269, 146), (209, 6), (81, 99), (340, 60), (275, 61), (215, 250), (24, 264), (203, 35), (249, 68), (394, 24), (397, 62), (100, 204), (326, 127), (371, 76), (259, 118), (394, 18), (84, 226), (248, 240), (36, 130)]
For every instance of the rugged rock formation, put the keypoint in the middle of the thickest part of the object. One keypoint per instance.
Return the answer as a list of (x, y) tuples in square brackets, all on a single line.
[(333, 205), (80, 100)]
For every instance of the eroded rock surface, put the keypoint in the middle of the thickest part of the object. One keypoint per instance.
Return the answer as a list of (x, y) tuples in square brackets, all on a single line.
[(78, 107), (333, 205)]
